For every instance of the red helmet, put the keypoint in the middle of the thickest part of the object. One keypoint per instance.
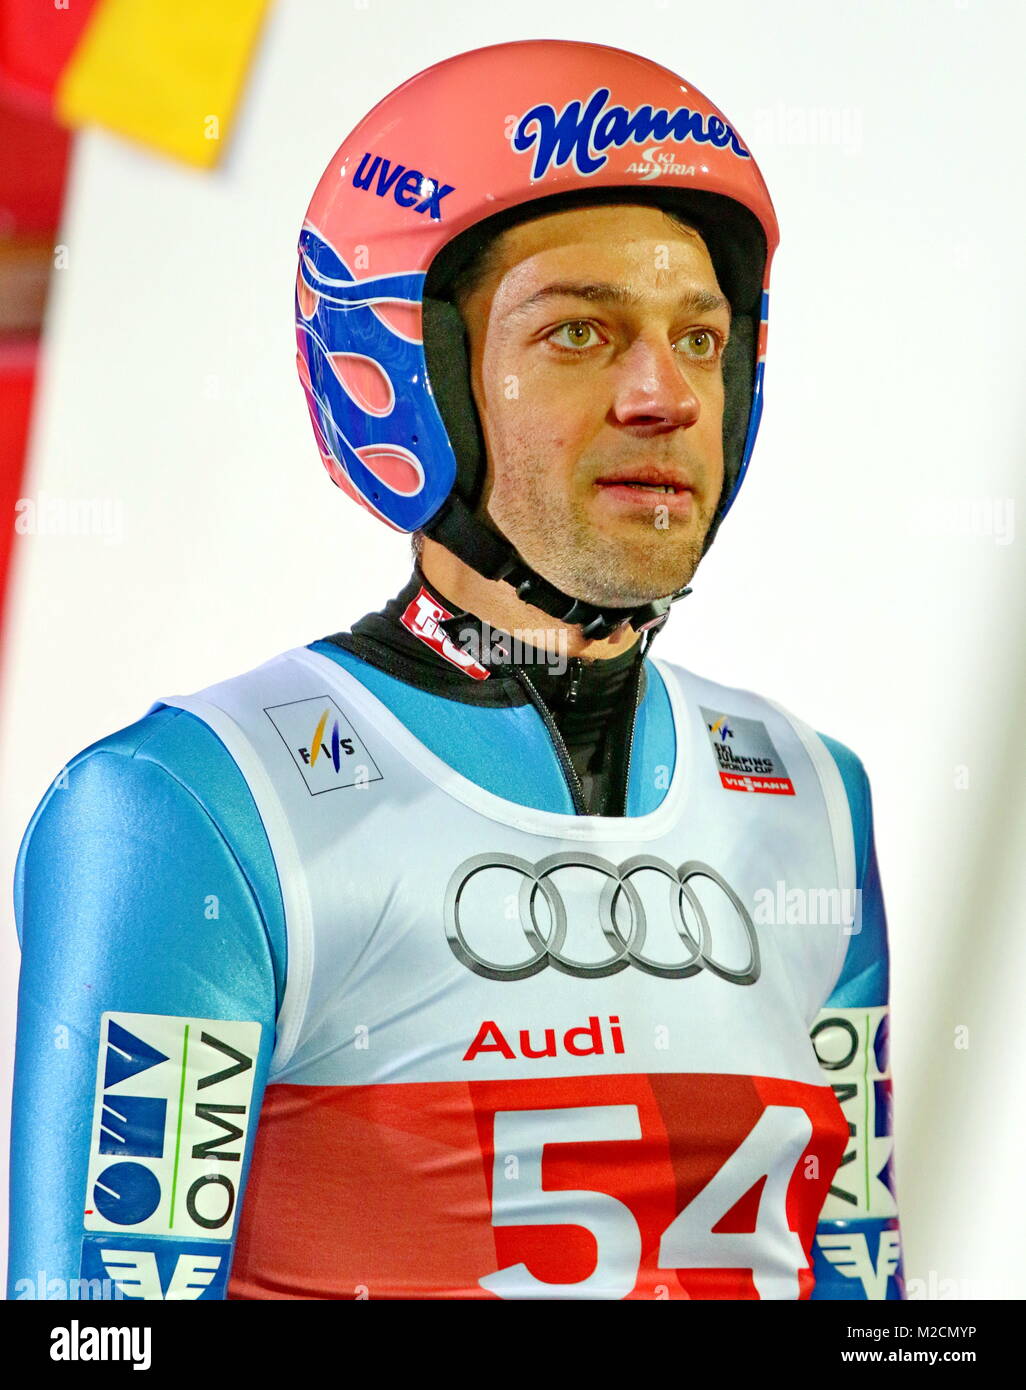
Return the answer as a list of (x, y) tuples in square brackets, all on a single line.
[(456, 154)]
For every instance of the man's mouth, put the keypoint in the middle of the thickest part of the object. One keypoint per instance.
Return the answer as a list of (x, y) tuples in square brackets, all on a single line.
[(657, 480), (648, 487)]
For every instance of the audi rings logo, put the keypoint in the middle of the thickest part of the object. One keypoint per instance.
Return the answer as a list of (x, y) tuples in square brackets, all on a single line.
[(680, 945)]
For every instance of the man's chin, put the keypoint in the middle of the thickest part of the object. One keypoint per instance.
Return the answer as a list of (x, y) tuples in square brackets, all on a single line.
[(615, 570), (626, 586), (640, 573)]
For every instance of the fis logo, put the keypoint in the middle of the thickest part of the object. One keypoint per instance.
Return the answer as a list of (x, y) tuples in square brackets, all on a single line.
[(324, 745), (409, 187), (172, 1111), (170, 1270), (339, 745)]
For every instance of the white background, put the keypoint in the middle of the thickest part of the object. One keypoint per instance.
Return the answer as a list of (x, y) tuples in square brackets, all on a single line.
[(867, 577)]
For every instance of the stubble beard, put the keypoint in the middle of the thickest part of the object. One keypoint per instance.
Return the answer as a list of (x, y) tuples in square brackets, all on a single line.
[(555, 537)]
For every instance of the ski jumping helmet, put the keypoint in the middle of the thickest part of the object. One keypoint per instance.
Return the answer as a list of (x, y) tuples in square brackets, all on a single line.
[(424, 182)]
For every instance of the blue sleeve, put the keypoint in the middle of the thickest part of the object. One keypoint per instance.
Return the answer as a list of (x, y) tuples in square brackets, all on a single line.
[(857, 1247), (153, 963)]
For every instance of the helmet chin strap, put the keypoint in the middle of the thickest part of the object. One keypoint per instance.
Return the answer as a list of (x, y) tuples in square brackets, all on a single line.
[(491, 555)]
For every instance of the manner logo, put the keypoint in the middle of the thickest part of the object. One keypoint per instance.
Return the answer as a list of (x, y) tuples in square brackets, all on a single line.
[(582, 132), (170, 1121)]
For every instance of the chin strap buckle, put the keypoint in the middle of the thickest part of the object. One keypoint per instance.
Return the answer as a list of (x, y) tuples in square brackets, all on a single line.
[(595, 622), (651, 616)]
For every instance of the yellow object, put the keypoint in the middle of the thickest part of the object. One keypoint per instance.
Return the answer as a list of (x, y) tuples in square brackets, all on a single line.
[(315, 746), (168, 73)]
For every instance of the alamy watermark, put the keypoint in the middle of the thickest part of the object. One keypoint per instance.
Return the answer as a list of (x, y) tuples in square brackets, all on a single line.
[(84, 1343), (832, 126), (46, 515), (938, 1286), (780, 906), (43, 1287), (987, 518), (492, 646)]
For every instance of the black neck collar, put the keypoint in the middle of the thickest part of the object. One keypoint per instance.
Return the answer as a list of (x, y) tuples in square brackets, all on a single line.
[(388, 639)]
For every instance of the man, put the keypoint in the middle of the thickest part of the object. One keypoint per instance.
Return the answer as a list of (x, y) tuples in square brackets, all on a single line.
[(472, 952)]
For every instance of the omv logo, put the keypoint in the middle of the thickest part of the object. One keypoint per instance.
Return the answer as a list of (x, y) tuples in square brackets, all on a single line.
[(126, 1193), (170, 1122)]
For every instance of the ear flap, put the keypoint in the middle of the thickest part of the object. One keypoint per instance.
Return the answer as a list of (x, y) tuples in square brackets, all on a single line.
[(738, 383), (446, 353)]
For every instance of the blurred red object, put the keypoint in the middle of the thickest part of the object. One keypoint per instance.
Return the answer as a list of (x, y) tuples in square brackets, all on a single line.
[(17, 382), (36, 41), (31, 172)]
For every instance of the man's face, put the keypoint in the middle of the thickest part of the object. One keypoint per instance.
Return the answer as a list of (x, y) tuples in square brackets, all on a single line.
[(596, 344)]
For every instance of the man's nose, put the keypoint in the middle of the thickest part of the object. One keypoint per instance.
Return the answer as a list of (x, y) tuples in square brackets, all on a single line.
[(652, 389)]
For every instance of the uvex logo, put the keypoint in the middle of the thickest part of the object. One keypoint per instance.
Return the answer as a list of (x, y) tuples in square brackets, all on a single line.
[(409, 187)]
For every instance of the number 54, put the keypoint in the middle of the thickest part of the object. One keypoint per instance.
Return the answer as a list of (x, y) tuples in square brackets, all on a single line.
[(772, 1251)]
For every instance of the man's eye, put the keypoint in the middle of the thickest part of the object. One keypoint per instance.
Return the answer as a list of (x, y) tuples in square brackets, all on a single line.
[(702, 345), (575, 334)]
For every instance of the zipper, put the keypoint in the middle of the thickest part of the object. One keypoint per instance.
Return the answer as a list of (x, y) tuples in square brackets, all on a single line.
[(562, 753), (630, 736)]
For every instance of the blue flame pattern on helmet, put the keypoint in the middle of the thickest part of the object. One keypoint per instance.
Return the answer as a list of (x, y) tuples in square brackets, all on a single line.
[(410, 427)]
